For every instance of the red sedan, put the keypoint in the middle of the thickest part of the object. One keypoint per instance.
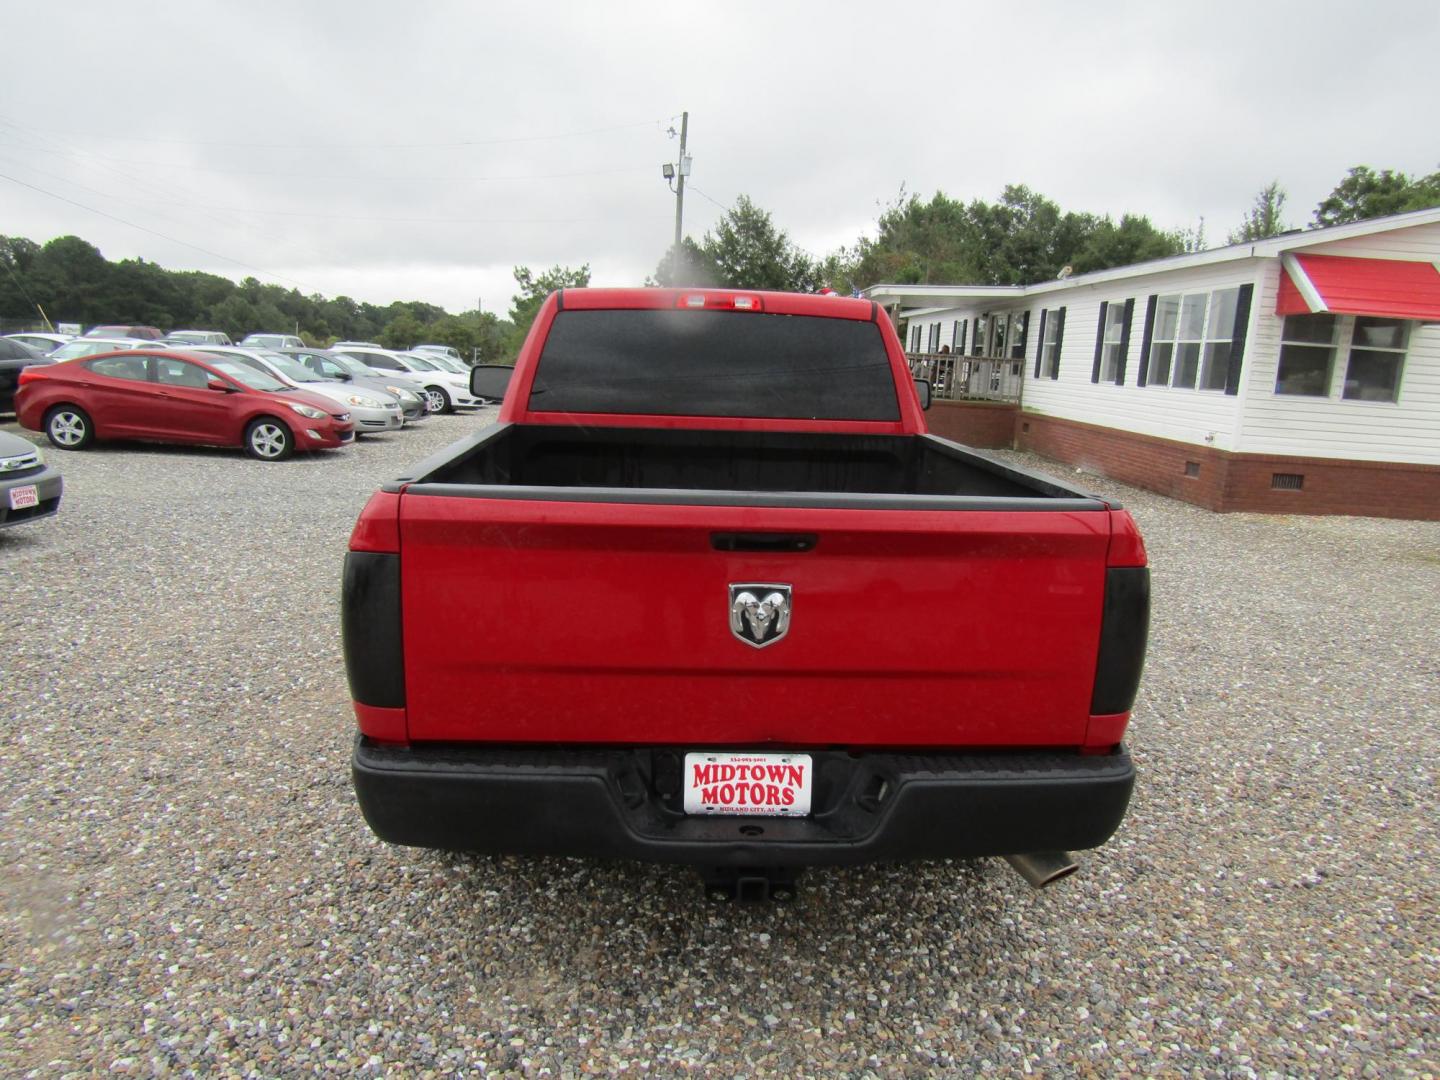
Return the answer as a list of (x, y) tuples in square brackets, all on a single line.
[(176, 397)]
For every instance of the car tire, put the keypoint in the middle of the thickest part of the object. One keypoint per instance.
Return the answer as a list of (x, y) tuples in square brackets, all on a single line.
[(69, 427), (268, 439), (437, 400)]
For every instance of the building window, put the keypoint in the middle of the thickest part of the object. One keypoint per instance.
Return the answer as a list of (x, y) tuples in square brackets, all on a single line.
[(1112, 343), (1050, 344), (1307, 355), (915, 338), (977, 341), (934, 337), (957, 340), (999, 327), (1019, 331), (1377, 355), (1193, 339)]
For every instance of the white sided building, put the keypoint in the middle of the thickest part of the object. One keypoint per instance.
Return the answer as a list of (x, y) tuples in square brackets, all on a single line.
[(1299, 374)]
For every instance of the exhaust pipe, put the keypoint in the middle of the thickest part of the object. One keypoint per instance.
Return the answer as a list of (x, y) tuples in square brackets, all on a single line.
[(1043, 868)]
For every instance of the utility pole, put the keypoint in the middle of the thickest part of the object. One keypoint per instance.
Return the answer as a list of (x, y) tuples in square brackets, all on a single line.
[(683, 168)]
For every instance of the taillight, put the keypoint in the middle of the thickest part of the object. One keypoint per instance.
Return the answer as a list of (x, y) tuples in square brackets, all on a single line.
[(1124, 633), (378, 529), (29, 374), (719, 302)]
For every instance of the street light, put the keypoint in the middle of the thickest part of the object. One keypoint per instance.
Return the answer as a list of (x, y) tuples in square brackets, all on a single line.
[(667, 171)]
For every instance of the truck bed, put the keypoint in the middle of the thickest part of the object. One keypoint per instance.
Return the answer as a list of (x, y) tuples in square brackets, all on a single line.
[(606, 463)]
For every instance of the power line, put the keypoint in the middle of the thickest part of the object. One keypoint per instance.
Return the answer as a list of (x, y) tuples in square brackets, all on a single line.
[(702, 194), (376, 145), (162, 236), (242, 211), (311, 174), (171, 194)]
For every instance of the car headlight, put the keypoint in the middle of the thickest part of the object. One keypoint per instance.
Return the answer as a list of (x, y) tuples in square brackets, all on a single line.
[(365, 402), (403, 394), (307, 411), (22, 461)]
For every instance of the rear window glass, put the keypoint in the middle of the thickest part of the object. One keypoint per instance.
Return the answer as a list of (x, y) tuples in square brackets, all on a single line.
[(715, 363)]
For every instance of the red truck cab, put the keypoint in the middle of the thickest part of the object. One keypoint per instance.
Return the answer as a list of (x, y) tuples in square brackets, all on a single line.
[(708, 592)]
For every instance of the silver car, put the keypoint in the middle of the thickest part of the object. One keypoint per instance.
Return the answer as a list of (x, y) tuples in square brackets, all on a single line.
[(29, 488), (341, 368), (372, 410)]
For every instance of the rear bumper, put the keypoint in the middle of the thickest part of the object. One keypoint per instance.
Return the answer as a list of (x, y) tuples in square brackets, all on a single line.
[(624, 803)]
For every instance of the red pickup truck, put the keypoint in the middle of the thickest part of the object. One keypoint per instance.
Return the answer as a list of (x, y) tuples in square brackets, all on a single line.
[(709, 593)]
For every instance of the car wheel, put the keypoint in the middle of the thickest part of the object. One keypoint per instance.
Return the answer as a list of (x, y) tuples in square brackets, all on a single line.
[(69, 427), (269, 440), (437, 400)]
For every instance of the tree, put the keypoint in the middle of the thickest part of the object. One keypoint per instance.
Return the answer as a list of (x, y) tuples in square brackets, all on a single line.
[(534, 288), (748, 252), (1263, 219), (1022, 239), (1134, 240), (402, 332), (695, 268), (1364, 193)]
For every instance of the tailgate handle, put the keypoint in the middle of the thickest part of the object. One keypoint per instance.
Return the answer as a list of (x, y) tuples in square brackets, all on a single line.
[(739, 541)]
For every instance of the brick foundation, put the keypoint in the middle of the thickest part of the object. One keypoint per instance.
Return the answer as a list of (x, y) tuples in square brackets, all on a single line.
[(986, 425), (1223, 481)]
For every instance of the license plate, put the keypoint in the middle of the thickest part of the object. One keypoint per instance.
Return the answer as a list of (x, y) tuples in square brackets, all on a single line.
[(773, 785), (21, 497)]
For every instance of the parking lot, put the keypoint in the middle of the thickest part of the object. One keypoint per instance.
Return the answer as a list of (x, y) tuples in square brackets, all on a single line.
[(187, 884)]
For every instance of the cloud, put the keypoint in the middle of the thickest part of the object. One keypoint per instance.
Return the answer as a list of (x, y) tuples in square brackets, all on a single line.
[(422, 151)]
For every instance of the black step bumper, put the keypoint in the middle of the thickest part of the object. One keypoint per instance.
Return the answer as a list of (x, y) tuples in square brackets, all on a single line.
[(624, 803)]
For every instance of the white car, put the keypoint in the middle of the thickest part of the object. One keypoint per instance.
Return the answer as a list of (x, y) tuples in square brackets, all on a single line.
[(271, 341), (372, 410), (445, 390), (45, 343), (181, 338), (449, 363), (91, 345), (443, 350)]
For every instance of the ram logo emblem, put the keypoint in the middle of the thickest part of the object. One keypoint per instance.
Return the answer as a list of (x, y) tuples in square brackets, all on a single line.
[(759, 614)]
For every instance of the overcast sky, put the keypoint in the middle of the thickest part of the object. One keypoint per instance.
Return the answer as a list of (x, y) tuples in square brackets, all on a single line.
[(422, 150)]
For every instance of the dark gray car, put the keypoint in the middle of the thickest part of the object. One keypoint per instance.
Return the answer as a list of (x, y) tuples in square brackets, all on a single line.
[(14, 356), (29, 488)]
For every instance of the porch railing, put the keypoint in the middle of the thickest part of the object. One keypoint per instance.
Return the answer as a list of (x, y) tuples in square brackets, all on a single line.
[(969, 378)]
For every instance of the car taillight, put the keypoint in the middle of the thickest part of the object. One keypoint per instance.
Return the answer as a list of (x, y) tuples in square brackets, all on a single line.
[(719, 302), (29, 374)]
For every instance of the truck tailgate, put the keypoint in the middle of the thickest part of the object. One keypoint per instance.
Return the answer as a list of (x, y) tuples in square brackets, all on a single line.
[(582, 622)]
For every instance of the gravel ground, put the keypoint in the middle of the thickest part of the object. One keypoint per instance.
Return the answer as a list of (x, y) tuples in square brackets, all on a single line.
[(188, 886)]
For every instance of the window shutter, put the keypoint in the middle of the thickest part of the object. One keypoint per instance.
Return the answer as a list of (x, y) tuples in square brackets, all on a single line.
[(964, 328), (1099, 341), (1059, 342), (1147, 339), (1040, 352), (1125, 342), (1237, 343)]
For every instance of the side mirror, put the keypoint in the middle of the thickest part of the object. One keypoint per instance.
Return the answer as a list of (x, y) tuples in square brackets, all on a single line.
[(922, 387), (220, 385), (490, 381)]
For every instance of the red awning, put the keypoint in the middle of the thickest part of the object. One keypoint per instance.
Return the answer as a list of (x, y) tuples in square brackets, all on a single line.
[(1392, 288)]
